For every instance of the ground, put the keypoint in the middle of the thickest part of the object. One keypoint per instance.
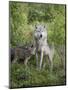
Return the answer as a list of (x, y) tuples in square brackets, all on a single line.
[(22, 76)]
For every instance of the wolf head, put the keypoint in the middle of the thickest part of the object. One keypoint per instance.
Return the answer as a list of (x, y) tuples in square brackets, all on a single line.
[(32, 49), (40, 32)]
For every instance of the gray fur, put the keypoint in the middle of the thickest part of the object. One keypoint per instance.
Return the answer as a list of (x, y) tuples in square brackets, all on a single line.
[(40, 36), (24, 53)]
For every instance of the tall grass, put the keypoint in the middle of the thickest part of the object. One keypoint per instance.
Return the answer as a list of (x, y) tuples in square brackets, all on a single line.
[(22, 76)]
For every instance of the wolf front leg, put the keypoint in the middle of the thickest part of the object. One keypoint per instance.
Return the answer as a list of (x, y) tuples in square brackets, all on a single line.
[(26, 61), (51, 63), (37, 58), (41, 59)]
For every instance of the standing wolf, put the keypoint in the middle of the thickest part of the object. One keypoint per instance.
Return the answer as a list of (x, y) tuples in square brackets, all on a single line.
[(40, 36)]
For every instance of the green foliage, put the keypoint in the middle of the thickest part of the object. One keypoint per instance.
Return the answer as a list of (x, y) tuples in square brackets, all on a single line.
[(23, 17), (35, 77), (40, 12)]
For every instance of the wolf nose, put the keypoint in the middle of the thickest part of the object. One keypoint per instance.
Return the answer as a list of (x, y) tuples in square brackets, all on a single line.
[(41, 35)]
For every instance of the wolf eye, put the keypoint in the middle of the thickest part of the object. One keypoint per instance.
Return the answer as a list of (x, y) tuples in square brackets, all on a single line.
[(41, 30)]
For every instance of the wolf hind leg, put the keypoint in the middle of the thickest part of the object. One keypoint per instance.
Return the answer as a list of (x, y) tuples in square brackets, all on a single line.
[(50, 63)]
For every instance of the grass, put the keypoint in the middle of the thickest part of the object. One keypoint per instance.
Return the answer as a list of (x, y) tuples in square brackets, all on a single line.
[(21, 76)]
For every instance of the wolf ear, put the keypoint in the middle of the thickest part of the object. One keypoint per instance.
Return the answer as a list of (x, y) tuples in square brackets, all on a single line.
[(44, 26), (35, 26)]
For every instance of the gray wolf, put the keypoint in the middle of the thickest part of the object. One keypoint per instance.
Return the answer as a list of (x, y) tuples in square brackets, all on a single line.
[(42, 47), (22, 53)]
